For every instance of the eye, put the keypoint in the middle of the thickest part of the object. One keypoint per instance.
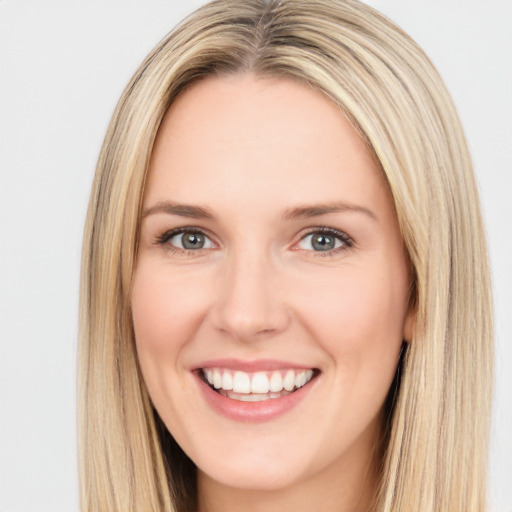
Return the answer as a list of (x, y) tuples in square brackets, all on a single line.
[(186, 240), (325, 240)]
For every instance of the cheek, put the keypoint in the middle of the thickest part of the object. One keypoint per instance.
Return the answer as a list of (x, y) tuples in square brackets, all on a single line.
[(165, 311), (359, 307), (358, 318)]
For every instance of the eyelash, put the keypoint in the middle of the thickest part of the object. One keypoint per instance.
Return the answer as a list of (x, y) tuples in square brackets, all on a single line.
[(335, 233), (339, 235), (164, 239)]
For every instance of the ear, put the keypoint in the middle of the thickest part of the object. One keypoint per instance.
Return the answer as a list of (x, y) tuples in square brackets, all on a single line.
[(410, 320), (410, 315), (411, 310)]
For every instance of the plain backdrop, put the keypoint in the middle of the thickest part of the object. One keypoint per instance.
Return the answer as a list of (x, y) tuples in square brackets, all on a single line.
[(63, 65)]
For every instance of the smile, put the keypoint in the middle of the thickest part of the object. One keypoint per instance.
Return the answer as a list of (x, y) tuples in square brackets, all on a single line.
[(256, 386)]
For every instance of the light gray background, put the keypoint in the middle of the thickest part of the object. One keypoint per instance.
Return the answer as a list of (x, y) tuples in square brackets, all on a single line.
[(63, 65)]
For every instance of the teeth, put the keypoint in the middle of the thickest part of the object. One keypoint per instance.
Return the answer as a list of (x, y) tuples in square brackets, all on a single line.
[(252, 397), (276, 382), (260, 383), (300, 379), (241, 383), (227, 381), (289, 380), (264, 384), (217, 379)]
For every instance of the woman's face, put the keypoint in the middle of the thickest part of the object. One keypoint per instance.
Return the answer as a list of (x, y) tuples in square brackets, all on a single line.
[(271, 263)]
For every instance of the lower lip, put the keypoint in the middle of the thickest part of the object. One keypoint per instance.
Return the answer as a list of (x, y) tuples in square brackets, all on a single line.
[(254, 412)]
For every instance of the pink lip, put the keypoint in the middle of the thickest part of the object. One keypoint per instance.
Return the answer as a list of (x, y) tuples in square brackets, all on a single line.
[(251, 412), (260, 365)]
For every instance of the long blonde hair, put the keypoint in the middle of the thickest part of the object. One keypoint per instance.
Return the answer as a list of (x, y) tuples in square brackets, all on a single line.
[(435, 452)]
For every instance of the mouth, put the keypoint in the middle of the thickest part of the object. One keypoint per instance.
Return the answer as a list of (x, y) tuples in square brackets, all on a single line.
[(256, 386)]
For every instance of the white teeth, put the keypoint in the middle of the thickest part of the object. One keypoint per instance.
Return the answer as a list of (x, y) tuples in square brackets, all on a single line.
[(260, 383), (289, 380), (241, 383), (251, 398), (217, 379), (276, 382), (263, 384), (227, 381), (300, 379)]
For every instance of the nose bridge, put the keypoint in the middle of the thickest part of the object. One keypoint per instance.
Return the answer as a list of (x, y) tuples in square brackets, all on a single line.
[(250, 303)]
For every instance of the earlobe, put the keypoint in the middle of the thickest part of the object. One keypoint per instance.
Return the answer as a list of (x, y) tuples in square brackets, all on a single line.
[(410, 317), (409, 325), (411, 309)]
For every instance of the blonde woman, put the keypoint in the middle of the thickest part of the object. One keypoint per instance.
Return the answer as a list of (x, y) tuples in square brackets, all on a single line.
[(285, 291)]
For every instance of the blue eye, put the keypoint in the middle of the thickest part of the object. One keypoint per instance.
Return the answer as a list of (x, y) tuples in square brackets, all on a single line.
[(325, 240)]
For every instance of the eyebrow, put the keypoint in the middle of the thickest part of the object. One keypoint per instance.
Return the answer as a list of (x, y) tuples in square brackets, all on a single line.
[(183, 210), (316, 210), (299, 212)]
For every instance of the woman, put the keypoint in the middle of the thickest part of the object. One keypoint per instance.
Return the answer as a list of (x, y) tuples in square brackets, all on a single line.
[(286, 300)]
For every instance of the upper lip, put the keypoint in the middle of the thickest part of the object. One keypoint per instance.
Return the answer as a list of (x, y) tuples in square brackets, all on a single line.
[(250, 366)]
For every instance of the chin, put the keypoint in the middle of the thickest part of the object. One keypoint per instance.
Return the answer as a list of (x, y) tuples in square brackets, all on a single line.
[(252, 475)]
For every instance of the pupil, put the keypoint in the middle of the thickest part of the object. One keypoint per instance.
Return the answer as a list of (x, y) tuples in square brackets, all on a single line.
[(323, 243), (192, 241)]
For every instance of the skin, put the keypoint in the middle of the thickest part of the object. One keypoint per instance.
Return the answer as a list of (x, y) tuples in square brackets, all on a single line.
[(248, 150)]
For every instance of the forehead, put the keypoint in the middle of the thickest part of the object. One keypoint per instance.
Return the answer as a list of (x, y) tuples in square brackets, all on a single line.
[(245, 137)]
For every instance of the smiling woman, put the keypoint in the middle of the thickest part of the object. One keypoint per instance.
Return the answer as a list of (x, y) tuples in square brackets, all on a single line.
[(277, 297), (273, 319)]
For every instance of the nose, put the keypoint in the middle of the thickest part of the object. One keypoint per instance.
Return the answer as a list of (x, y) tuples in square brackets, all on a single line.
[(250, 301)]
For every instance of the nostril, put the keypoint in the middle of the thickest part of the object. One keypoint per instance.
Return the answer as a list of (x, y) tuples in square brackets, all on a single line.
[(251, 322), (248, 305)]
